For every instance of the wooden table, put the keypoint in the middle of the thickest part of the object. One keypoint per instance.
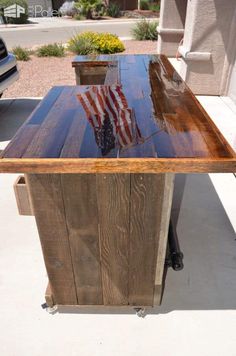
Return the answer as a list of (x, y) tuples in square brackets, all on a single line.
[(99, 162)]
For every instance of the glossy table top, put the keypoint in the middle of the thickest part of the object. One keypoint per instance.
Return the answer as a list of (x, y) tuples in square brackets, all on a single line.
[(144, 119)]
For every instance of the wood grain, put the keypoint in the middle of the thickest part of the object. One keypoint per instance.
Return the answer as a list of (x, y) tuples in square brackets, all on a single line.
[(173, 126), (79, 193), (113, 192), (22, 197), (48, 206), (145, 218), (121, 165)]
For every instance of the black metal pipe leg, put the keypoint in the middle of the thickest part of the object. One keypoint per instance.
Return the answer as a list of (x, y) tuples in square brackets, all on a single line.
[(175, 256)]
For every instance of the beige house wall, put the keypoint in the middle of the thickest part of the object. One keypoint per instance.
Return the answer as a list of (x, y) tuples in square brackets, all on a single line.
[(232, 84), (209, 44), (171, 26)]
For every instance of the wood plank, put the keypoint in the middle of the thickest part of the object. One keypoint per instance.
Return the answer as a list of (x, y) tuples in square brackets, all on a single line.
[(22, 197), (20, 141), (26, 133), (50, 138), (112, 76), (79, 193), (121, 165), (163, 235), (49, 296), (48, 206), (113, 193), (145, 218)]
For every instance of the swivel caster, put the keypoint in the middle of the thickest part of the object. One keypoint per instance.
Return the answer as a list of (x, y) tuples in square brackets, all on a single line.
[(51, 310), (140, 312)]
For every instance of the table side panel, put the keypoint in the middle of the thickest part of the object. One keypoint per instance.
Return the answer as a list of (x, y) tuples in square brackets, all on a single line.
[(79, 194), (146, 202), (113, 194), (48, 207)]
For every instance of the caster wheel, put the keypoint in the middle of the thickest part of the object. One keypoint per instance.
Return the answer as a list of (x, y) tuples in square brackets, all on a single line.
[(140, 312), (50, 310)]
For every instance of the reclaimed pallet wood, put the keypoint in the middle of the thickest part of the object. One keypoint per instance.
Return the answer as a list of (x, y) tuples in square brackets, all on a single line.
[(113, 191), (22, 197), (47, 201), (81, 212)]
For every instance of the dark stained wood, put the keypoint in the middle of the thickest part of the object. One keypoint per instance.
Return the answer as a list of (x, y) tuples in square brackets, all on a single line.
[(145, 219), (113, 191), (79, 192), (49, 211), (172, 125)]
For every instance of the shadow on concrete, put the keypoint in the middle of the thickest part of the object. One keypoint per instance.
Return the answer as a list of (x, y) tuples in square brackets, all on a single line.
[(13, 113)]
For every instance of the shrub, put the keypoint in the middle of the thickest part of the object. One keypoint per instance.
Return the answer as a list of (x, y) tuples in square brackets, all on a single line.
[(51, 50), (22, 54), (81, 45), (88, 7), (113, 10), (79, 17), (23, 17), (144, 5), (154, 7), (68, 9), (145, 30), (93, 42)]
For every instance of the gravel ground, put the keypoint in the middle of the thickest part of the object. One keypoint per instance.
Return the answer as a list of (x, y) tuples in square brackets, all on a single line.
[(38, 75)]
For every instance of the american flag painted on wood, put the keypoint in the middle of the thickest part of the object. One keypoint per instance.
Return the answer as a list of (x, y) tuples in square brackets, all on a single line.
[(113, 121)]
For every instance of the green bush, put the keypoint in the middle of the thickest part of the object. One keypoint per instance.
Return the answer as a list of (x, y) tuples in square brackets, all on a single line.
[(94, 42), (154, 7), (113, 10), (81, 45), (144, 5), (51, 50), (79, 17), (23, 17), (87, 7), (145, 30), (22, 54)]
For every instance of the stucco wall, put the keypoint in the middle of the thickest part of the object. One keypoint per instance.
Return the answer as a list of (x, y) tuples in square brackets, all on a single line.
[(171, 26), (232, 85), (207, 30)]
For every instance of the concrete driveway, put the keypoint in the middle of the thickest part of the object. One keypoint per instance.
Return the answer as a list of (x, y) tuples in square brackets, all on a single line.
[(13, 113)]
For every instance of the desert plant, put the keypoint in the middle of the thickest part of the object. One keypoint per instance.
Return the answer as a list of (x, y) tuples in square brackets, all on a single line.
[(22, 54), (87, 7), (154, 7), (144, 5), (68, 9), (93, 42), (145, 30), (23, 17), (82, 45), (51, 50), (113, 10), (79, 17)]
